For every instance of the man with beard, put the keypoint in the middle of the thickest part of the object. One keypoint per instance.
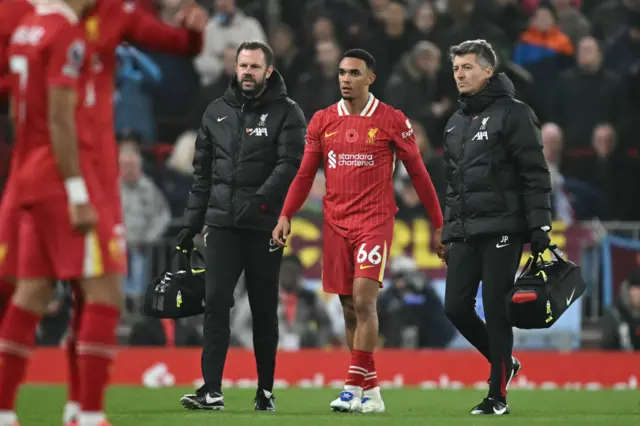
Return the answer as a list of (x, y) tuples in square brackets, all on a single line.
[(248, 150)]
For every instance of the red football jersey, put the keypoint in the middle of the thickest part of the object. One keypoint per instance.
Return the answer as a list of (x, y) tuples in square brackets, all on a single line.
[(359, 153), (46, 50), (11, 13), (110, 23)]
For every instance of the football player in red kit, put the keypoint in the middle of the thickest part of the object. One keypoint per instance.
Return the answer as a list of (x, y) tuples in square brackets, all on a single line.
[(358, 138), (11, 13), (108, 24), (59, 226)]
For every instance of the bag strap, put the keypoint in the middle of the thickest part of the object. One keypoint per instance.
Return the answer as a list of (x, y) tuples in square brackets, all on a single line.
[(557, 253), (530, 265)]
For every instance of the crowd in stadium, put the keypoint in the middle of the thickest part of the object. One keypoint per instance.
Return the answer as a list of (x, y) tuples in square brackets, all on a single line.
[(576, 62)]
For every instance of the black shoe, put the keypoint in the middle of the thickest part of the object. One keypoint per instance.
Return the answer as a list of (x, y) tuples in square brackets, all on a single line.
[(490, 406), (203, 401), (264, 401), (515, 369)]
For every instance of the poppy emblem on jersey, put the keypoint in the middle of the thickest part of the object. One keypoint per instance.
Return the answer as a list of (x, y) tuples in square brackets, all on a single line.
[(371, 136), (351, 135), (93, 28)]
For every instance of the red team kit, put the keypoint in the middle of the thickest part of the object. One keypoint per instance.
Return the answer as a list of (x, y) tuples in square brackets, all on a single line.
[(44, 45), (107, 25), (359, 153)]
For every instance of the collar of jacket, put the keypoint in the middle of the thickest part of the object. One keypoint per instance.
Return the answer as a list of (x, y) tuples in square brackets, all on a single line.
[(275, 88), (499, 86)]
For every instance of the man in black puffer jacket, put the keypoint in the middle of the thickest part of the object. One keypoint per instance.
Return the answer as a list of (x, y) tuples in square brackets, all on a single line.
[(497, 199), (248, 150)]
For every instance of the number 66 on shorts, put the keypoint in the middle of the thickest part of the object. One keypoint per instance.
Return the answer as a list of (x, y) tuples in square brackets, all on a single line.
[(362, 254)]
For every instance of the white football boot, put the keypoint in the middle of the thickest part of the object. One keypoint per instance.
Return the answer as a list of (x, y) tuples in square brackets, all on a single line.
[(350, 400), (372, 401)]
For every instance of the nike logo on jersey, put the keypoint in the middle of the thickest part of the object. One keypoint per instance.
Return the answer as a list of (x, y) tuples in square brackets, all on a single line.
[(221, 118), (366, 266), (328, 135), (571, 297), (501, 245)]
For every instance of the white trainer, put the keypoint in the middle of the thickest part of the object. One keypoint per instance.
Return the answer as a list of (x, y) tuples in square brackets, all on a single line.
[(350, 400), (372, 401)]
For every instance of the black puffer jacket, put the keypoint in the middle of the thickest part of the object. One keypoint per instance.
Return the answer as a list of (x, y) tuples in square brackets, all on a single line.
[(247, 153), (497, 178)]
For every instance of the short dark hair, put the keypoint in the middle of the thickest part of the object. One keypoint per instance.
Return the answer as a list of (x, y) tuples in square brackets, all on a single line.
[(363, 55), (257, 45), (483, 50)]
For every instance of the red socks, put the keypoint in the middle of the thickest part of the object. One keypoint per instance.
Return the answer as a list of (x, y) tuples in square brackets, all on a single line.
[(360, 362), (72, 355), (96, 348), (371, 379), (17, 341)]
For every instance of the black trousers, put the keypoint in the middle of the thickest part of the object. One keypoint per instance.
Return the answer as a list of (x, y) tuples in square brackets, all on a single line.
[(494, 260), (228, 252)]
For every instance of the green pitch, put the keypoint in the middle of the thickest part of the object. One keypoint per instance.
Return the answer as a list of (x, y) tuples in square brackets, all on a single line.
[(41, 406)]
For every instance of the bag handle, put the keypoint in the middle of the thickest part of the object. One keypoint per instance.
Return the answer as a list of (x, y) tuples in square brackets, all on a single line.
[(184, 259), (530, 265)]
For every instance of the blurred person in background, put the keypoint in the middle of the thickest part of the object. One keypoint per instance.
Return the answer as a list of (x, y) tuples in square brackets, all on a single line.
[(623, 52), (576, 106), (133, 107), (410, 311), (396, 36), (420, 89), (545, 51), (178, 172), (468, 22), (621, 324), (428, 23), (316, 88), (571, 21), (229, 26), (408, 200), (289, 59), (610, 172), (552, 144), (303, 320), (608, 17), (212, 91), (146, 217)]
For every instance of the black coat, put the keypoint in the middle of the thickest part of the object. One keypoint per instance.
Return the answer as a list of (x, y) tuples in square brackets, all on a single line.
[(497, 178), (247, 153)]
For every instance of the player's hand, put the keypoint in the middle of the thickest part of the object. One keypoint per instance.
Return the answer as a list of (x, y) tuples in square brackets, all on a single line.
[(192, 16), (281, 232), (83, 217), (437, 241)]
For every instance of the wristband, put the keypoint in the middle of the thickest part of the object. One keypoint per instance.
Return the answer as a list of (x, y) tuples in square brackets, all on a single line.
[(76, 190)]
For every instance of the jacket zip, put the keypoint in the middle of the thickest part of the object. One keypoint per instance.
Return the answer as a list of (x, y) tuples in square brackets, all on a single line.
[(236, 147), (462, 211)]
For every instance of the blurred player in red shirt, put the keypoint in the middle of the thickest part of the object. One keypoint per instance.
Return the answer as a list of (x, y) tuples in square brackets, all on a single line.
[(11, 13), (58, 226), (108, 24), (358, 138)]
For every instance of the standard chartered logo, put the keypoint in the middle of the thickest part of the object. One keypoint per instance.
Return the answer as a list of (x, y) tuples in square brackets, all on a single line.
[(350, 160), (332, 160)]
